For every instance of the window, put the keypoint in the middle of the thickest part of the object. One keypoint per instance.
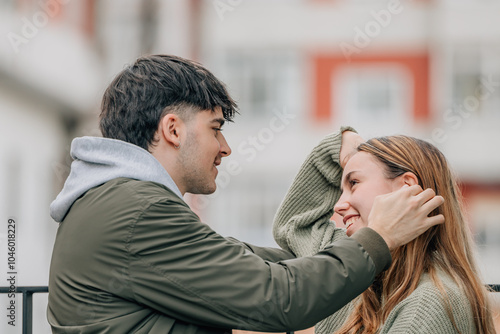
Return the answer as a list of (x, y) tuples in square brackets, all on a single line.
[(378, 95), (261, 81), (475, 82)]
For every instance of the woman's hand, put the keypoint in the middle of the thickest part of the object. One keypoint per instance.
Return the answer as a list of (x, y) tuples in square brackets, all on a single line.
[(350, 143)]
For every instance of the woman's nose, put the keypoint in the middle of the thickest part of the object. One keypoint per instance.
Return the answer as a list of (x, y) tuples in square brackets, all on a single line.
[(341, 206)]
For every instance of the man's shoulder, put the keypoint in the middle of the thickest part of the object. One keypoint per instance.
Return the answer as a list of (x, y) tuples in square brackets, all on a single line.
[(141, 191), (120, 203), (122, 199)]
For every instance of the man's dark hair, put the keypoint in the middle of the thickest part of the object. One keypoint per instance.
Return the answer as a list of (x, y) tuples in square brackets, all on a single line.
[(140, 95)]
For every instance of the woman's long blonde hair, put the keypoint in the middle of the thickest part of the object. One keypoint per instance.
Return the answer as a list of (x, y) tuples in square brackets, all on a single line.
[(446, 247)]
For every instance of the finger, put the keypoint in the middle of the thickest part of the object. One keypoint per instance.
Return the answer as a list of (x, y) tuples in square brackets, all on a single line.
[(425, 195), (432, 204), (414, 190), (434, 220)]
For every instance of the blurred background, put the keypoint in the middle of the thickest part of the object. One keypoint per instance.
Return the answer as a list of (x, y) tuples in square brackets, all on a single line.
[(298, 68)]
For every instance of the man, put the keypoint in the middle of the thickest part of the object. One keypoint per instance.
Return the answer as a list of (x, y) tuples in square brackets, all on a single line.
[(131, 257)]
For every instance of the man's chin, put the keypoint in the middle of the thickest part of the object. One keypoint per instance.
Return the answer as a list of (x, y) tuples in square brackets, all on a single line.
[(210, 189), (205, 190), (209, 192)]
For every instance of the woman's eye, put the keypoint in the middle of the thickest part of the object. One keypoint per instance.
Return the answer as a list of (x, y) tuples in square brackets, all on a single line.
[(353, 183)]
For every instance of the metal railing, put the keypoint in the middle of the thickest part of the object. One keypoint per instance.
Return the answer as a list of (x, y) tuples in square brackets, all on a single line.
[(494, 287), (28, 292)]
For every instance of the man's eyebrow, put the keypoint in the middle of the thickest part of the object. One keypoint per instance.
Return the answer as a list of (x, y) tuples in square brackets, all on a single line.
[(221, 121)]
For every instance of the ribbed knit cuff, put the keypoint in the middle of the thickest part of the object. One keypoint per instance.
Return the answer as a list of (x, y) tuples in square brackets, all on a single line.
[(375, 245), (347, 128)]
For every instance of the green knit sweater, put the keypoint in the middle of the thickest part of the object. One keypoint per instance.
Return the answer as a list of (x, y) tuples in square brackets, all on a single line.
[(303, 226)]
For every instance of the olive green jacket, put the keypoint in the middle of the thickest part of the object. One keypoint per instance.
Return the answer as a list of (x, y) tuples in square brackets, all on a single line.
[(130, 256)]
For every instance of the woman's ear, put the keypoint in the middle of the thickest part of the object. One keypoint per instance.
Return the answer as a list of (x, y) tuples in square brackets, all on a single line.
[(409, 179)]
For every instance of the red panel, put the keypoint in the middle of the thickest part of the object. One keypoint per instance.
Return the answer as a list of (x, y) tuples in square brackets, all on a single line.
[(326, 65), (89, 19), (471, 189)]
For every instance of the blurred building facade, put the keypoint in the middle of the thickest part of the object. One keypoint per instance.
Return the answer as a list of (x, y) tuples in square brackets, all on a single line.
[(429, 69), (298, 68)]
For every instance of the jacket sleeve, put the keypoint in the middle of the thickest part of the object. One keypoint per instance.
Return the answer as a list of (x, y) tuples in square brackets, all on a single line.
[(181, 268), (302, 224), (265, 253)]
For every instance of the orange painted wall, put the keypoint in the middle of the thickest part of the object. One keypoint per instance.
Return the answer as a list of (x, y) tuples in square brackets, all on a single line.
[(325, 66)]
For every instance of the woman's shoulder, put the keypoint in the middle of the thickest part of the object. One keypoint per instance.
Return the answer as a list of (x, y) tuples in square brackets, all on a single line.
[(453, 293), (429, 308)]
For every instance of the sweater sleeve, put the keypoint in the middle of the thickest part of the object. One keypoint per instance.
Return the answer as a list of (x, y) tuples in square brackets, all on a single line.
[(302, 224)]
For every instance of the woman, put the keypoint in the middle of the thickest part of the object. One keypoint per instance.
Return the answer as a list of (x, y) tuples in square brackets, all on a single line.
[(432, 285)]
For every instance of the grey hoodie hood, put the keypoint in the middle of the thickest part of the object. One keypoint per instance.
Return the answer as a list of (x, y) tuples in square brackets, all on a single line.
[(98, 160)]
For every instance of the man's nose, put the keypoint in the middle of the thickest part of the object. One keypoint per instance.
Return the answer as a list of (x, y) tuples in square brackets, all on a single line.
[(225, 150)]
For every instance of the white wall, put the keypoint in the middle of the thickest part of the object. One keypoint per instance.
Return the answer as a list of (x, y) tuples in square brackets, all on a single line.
[(31, 144)]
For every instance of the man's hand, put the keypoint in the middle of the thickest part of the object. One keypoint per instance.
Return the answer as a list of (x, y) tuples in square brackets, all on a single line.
[(401, 216), (350, 143)]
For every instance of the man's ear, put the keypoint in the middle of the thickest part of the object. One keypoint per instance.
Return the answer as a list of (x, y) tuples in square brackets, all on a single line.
[(170, 129)]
